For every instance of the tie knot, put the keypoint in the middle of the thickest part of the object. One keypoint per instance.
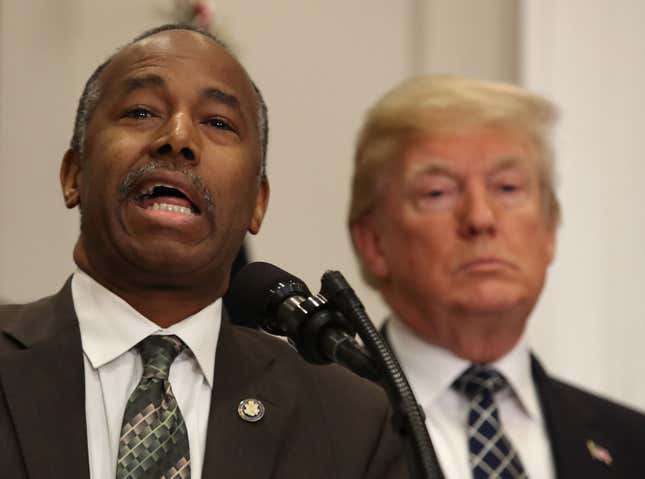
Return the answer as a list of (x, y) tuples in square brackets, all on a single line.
[(158, 353), (477, 379)]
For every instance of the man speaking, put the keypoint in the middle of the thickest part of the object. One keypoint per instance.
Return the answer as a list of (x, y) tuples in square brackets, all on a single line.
[(132, 370)]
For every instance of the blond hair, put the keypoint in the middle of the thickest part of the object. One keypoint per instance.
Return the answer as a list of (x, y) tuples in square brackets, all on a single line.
[(444, 105)]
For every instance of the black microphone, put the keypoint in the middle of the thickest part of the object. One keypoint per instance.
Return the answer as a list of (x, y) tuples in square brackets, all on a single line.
[(321, 332), (284, 306)]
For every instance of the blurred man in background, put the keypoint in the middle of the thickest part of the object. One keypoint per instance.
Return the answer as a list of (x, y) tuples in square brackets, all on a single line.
[(133, 370), (453, 217)]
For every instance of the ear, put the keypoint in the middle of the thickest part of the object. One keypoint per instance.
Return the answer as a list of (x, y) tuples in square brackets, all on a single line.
[(261, 203), (70, 170), (367, 243), (551, 242)]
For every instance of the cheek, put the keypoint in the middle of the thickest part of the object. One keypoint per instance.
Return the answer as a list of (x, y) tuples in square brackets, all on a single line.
[(420, 247), (112, 146), (531, 243), (227, 177), (233, 194)]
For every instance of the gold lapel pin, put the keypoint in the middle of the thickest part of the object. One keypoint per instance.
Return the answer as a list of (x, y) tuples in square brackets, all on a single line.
[(251, 410), (599, 453)]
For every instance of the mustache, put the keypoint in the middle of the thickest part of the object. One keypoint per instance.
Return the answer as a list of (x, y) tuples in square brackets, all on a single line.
[(126, 187)]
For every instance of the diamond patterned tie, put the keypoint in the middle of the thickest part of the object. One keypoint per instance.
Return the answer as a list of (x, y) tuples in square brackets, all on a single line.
[(154, 439), (491, 453)]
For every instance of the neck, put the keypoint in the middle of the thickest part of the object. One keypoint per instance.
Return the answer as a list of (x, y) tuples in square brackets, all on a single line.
[(479, 337), (163, 302), (164, 308)]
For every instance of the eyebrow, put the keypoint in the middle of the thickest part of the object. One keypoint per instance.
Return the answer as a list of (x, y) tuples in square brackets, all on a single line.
[(506, 162), (439, 166), (155, 81), (138, 83), (219, 96)]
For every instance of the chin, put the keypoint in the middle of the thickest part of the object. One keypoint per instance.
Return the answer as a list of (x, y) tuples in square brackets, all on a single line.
[(492, 298), (173, 259)]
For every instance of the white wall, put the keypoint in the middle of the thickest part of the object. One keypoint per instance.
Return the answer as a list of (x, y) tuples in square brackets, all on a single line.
[(589, 57)]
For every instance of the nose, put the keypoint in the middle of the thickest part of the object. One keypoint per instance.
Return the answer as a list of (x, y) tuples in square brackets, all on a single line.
[(178, 138), (478, 215)]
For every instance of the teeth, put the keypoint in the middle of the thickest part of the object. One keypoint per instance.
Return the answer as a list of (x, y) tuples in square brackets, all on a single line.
[(171, 208)]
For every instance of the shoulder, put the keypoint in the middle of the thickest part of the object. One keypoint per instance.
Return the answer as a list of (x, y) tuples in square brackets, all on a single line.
[(328, 380), (573, 406), (589, 432), (7, 312), (29, 323), (577, 399), (347, 416), (11, 318)]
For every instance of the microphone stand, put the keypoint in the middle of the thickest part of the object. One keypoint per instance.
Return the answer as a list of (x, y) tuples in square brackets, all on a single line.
[(409, 419)]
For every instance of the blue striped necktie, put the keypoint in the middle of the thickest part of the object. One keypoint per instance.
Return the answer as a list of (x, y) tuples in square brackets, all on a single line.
[(491, 454)]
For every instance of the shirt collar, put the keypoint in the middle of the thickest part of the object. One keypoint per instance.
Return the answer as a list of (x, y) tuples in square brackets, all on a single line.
[(516, 368), (432, 370), (110, 327)]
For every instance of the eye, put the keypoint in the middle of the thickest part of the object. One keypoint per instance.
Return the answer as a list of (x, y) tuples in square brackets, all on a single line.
[(511, 190), (435, 193), (219, 123), (138, 113), (438, 189), (508, 188)]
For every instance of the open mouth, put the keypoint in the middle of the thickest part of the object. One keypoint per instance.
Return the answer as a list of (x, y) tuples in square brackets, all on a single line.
[(164, 197)]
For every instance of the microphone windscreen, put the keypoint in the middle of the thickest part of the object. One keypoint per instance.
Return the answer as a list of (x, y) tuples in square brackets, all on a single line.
[(258, 289)]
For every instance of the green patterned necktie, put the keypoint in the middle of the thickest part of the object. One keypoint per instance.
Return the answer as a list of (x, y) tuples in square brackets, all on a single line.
[(154, 440)]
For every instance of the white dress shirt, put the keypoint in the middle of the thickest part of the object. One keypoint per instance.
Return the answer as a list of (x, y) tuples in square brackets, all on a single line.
[(110, 328), (432, 370)]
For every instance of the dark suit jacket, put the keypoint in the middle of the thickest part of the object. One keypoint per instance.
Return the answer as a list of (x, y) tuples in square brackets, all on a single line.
[(573, 417), (321, 422)]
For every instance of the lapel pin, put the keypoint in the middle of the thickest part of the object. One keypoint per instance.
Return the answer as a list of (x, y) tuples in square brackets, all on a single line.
[(599, 453), (251, 410)]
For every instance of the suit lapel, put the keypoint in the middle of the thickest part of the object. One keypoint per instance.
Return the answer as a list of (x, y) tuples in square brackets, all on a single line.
[(44, 388), (234, 447), (570, 425)]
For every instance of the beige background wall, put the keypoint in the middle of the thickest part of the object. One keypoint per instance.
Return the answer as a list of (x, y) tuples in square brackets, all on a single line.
[(320, 64), (589, 56)]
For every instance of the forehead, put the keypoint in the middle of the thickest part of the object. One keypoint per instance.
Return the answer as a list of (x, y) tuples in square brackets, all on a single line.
[(476, 152), (191, 57)]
